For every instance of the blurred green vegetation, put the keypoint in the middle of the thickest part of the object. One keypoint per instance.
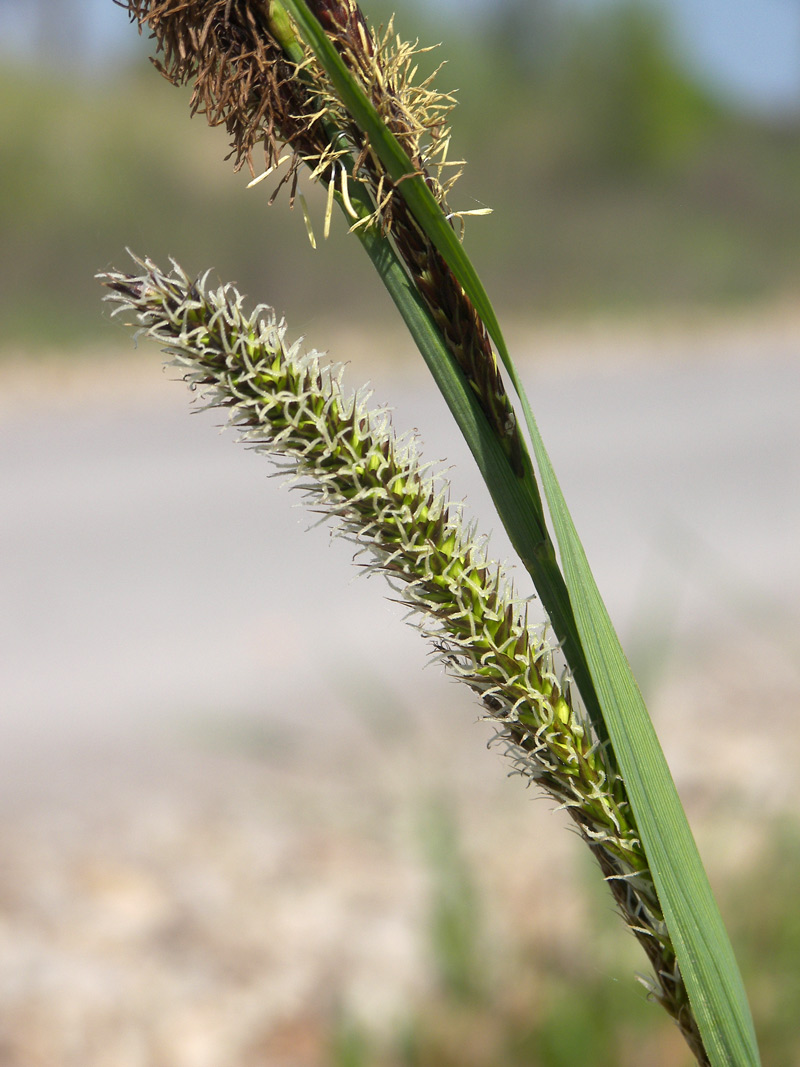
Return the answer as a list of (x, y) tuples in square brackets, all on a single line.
[(618, 183), (555, 1005)]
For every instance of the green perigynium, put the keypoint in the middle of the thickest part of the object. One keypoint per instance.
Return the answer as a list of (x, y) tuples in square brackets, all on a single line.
[(353, 467)]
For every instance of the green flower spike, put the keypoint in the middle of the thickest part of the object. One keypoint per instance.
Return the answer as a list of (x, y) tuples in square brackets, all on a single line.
[(353, 467)]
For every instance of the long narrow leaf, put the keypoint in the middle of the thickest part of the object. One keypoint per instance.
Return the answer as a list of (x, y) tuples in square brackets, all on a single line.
[(703, 949), (702, 945), (516, 500), (399, 167)]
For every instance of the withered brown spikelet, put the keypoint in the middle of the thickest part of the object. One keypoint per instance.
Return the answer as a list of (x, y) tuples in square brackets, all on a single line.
[(244, 79), (241, 77), (409, 119)]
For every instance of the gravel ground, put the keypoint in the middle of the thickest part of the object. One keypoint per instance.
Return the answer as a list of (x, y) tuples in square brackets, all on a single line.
[(215, 800)]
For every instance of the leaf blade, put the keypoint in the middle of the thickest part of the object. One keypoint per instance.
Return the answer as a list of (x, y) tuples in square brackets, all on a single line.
[(393, 156), (702, 946)]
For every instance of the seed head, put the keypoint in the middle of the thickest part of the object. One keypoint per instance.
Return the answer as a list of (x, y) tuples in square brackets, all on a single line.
[(376, 488)]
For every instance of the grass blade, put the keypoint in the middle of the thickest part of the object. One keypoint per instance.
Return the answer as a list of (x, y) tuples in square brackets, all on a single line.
[(399, 167), (702, 945), (574, 603), (517, 500)]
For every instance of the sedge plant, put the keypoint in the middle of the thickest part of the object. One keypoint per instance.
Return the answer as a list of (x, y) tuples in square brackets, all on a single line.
[(309, 87)]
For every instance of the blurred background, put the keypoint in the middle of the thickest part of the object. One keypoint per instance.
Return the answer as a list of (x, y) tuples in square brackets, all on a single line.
[(241, 823)]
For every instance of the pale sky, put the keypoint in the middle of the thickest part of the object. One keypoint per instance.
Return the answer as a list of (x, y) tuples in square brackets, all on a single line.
[(750, 48)]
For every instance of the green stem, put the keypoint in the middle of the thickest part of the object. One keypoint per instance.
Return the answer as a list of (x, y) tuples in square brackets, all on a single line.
[(517, 500)]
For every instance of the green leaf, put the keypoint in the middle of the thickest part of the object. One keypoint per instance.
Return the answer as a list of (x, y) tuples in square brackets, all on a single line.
[(392, 155), (517, 500), (701, 943), (573, 601)]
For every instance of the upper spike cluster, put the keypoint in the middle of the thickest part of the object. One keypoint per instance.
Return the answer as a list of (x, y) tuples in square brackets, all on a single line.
[(252, 74)]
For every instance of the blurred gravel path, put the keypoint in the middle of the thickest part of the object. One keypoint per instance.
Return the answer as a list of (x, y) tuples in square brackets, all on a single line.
[(149, 568), (216, 745)]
